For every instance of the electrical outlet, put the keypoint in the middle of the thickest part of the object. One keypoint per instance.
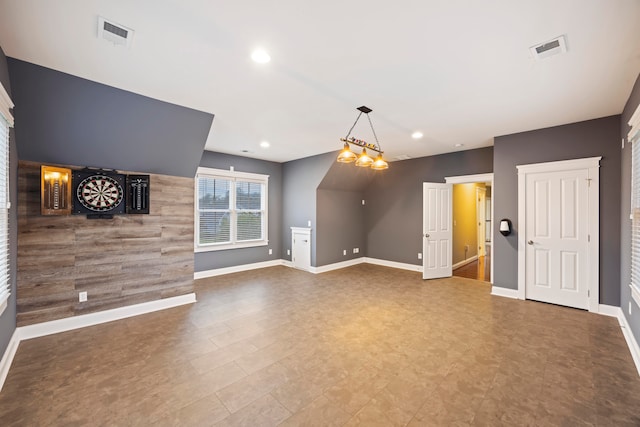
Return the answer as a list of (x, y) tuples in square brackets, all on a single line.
[(362, 202), (344, 252), (309, 223), (356, 250), (82, 296), (270, 251), (419, 255), (288, 251)]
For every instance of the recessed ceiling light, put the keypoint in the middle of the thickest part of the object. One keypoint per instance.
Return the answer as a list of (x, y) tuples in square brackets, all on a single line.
[(459, 145), (260, 56), (265, 144), (417, 135)]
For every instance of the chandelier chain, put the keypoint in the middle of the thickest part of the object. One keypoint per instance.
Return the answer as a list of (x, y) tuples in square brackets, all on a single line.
[(374, 134), (354, 125)]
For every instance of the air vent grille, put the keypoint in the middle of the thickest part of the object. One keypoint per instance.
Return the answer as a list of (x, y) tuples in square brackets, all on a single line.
[(115, 30), (114, 33), (549, 48)]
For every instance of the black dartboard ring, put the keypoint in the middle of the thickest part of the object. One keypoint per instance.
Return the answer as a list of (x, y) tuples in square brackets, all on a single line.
[(99, 193)]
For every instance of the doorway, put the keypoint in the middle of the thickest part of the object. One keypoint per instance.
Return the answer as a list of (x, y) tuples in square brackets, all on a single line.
[(472, 218), (558, 213)]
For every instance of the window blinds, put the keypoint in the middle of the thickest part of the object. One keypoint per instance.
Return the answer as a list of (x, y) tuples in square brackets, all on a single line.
[(4, 211), (248, 211), (634, 139), (231, 210)]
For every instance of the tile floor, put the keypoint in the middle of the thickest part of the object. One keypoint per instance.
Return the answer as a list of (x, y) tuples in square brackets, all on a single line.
[(365, 345)]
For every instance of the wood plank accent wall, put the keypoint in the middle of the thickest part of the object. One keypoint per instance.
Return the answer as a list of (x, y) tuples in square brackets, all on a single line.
[(122, 261)]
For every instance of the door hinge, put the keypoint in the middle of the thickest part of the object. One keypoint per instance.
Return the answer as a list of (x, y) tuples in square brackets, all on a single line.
[(588, 237), (588, 182), (588, 292)]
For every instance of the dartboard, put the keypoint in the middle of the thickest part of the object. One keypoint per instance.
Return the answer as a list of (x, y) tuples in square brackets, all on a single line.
[(99, 193)]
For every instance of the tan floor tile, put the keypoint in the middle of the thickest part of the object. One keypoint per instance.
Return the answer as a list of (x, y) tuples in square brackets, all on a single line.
[(320, 412), (265, 356), (220, 357), (265, 411), (206, 411), (252, 387)]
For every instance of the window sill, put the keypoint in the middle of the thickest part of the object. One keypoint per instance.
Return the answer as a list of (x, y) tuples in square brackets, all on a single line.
[(227, 247)]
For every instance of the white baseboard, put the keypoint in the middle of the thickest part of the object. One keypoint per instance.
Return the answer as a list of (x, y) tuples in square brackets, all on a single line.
[(7, 358), (337, 265), (464, 262), (62, 325), (609, 310), (504, 292), (393, 264), (84, 320), (236, 269), (626, 332)]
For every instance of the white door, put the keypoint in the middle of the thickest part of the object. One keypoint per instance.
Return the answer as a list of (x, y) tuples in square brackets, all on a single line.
[(557, 237), (436, 230), (481, 201), (301, 248)]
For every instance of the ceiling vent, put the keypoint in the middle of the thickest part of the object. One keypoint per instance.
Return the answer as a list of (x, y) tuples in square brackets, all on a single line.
[(549, 48), (114, 33)]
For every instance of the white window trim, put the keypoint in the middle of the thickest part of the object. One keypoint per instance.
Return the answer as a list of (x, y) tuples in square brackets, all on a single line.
[(242, 176), (5, 113), (6, 105), (633, 137)]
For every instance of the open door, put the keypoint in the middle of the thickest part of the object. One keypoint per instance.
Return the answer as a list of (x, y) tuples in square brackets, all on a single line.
[(436, 230), (481, 206)]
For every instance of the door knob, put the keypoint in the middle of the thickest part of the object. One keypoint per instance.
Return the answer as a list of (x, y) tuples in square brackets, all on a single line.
[(426, 235), (530, 242)]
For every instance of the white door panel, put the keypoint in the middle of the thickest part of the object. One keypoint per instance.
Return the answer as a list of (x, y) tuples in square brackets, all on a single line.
[(301, 248), (557, 234), (437, 233)]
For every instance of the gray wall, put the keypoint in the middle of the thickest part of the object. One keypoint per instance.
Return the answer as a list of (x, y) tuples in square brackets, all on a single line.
[(393, 210), (340, 213), (340, 226), (227, 258), (69, 120), (8, 318), (625, 209), (300, 180), (600, 137)]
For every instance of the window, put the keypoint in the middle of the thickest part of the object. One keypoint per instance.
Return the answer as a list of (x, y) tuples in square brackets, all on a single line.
[(634, 139), (6, 121), (231, 210)]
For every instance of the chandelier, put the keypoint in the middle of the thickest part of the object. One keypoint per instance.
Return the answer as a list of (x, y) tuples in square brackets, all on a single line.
[(363, 160)]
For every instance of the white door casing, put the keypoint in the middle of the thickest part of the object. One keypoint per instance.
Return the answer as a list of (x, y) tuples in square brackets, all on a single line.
[(437, 236), (481, 202), (301, 248), (488, 179), (558, 215)]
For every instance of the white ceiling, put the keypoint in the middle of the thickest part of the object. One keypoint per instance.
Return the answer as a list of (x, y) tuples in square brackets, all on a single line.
[(457, 70)]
